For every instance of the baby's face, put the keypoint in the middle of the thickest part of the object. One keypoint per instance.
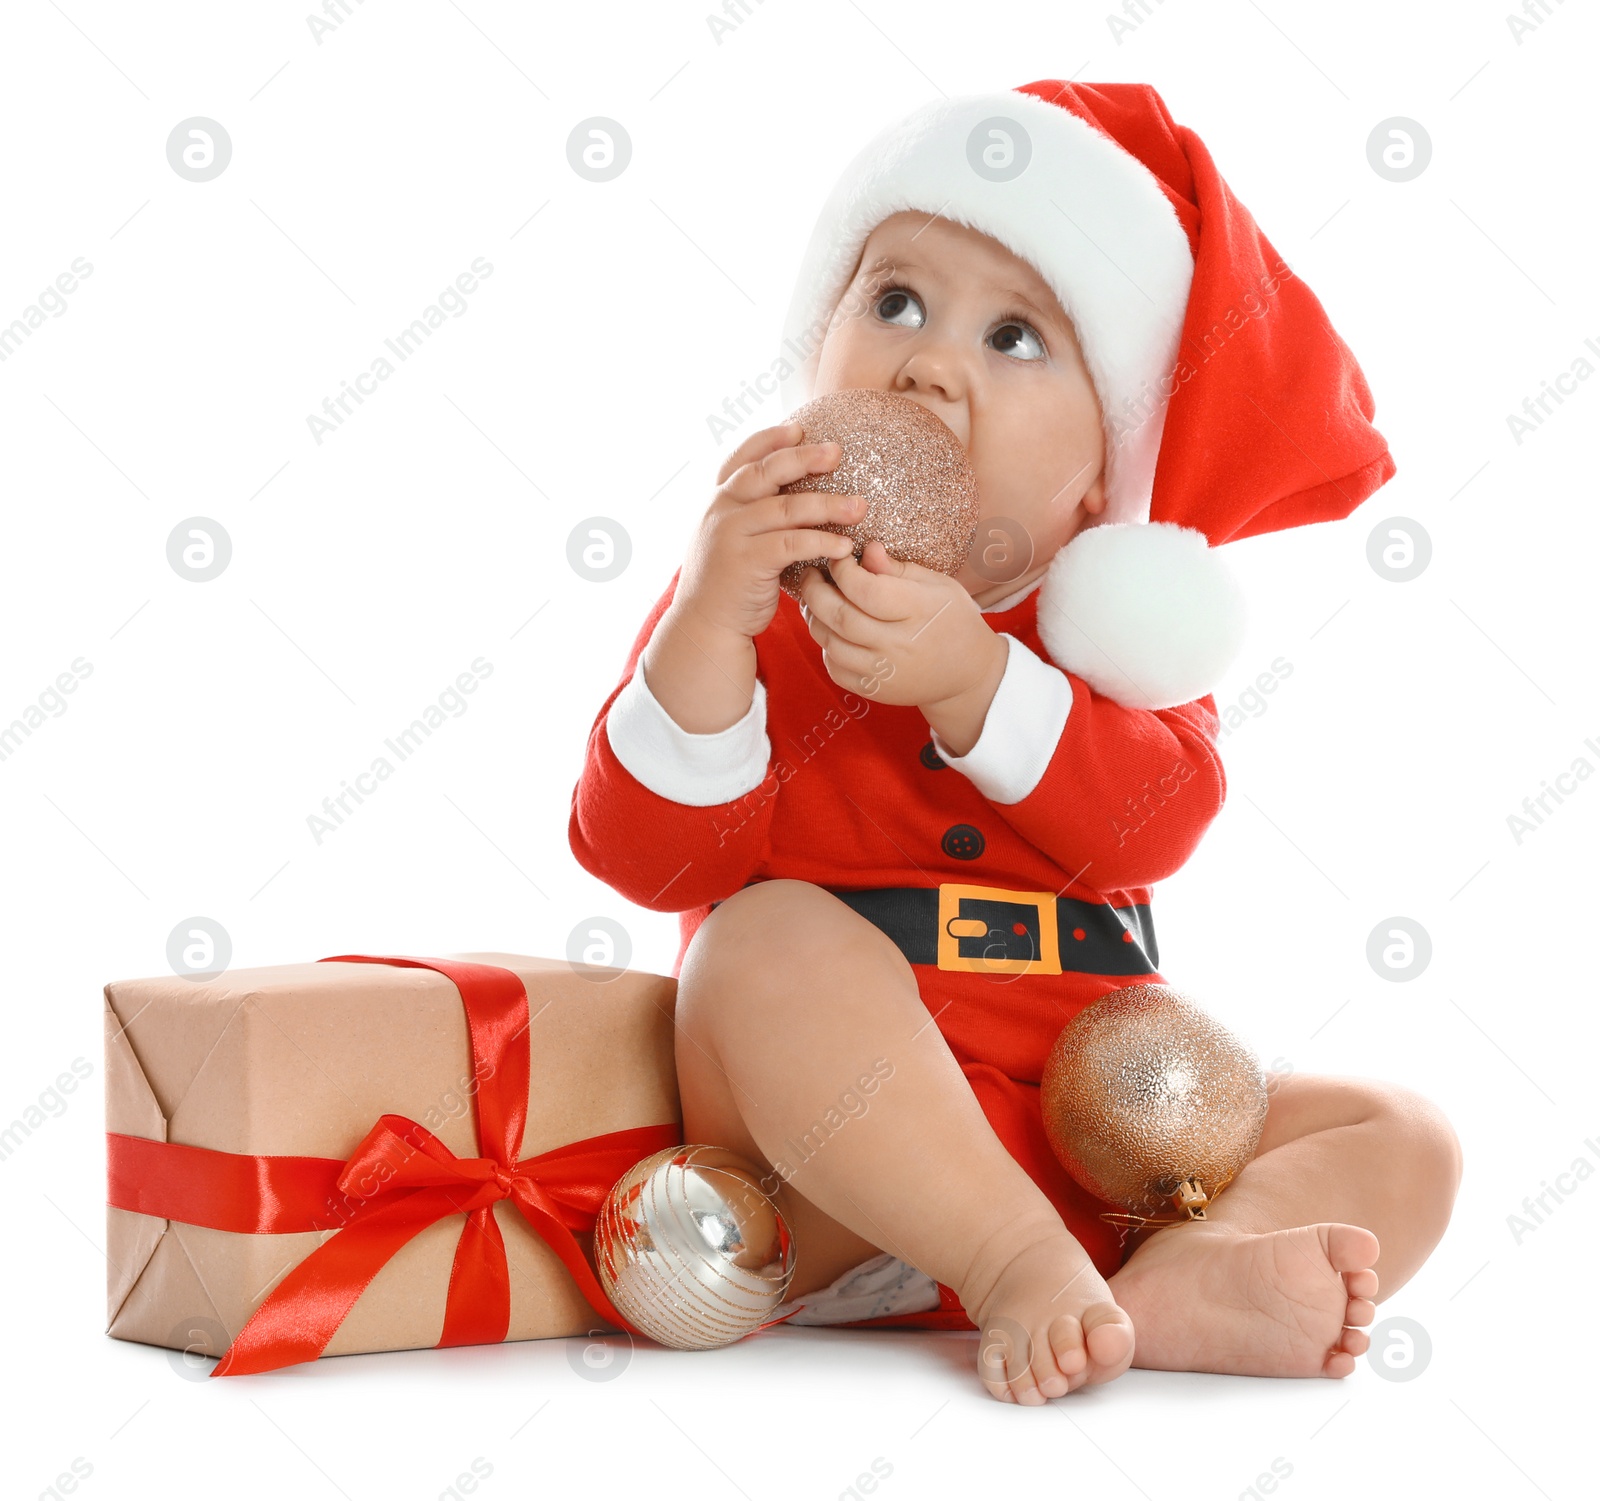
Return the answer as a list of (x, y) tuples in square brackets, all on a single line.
[(951, 319)]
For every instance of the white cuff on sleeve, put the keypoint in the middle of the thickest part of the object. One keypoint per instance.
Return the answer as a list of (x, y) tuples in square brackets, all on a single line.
[(700, 771), (1021, 730)]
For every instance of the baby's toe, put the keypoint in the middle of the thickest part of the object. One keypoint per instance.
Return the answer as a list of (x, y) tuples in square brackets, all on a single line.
[(1025, 1390), (1351, 1248), (1059, 1358), (1066, 1344), (1362, 1284), (1356, 1341), (1108, 1334), (1360, 1311), (1340, 1363), (1005, 1360)]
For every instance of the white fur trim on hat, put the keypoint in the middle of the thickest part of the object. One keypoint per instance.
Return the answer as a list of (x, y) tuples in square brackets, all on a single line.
[(1087, 215), (1149, 615)]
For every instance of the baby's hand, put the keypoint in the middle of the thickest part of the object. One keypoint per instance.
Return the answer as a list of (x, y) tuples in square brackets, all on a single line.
[(899, 633), (750, 533)]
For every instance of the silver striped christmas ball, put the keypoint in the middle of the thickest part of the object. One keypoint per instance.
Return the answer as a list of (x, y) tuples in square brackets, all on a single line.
[(690, 1249)]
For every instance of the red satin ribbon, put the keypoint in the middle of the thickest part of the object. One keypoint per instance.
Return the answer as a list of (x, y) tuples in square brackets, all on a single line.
[(399, 1180)]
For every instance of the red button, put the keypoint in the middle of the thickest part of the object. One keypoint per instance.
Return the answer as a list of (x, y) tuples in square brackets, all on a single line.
[(1127, 937), (1078, 934), (1019, 927)]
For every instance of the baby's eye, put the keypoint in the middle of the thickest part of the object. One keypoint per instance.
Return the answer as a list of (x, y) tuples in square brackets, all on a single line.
[(901, 308), (1019, 341)]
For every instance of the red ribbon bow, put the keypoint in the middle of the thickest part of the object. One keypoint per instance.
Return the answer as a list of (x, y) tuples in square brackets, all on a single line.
[(399, 1180)]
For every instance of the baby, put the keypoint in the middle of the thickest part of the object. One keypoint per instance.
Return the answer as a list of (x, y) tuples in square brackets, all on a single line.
[(901, 874)]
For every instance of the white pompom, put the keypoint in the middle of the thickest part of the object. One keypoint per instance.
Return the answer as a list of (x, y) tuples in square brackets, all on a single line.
[(1147, 613)]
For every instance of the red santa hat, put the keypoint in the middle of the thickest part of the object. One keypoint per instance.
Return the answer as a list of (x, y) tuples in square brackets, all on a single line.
[(1231, 407)]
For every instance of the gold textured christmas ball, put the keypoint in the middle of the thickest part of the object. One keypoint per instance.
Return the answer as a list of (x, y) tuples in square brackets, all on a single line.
[(921, 493), (690, 1249), (1150, 1103)]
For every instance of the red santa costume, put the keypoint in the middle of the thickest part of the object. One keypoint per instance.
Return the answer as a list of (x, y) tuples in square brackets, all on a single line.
[(1017, 878)]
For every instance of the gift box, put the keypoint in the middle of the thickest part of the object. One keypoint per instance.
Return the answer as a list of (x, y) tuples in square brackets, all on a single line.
[(374, 1152)]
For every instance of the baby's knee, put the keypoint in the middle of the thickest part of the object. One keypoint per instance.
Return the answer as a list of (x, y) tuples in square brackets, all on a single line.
[(777, 911), (1428, 1128), (781, 930), (1415, 1126), (762, 901), (754, 917), (1415, 1131)]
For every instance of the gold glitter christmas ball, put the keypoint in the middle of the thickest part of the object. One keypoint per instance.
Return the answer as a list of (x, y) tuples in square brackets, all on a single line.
[(690, 1249), (921, 493), (1144, 1096)]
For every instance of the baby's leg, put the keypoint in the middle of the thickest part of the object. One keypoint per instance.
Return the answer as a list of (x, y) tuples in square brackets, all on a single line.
[(787, 999), (1278, 1277)]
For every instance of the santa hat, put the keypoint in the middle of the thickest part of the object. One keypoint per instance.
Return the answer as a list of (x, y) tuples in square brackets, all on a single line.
[(1231, 406)]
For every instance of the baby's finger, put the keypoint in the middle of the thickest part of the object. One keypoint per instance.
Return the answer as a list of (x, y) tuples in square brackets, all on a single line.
[(884, 596), (758, 445), (887, 565), (773, 513), (777, 550), (764, 476), (829, 605)]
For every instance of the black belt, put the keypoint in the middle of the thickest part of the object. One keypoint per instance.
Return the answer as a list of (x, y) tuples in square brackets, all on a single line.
[(997, 930)]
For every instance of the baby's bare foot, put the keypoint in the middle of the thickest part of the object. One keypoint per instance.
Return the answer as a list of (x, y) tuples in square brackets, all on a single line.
[(1047, 1321), (1206, 1298)]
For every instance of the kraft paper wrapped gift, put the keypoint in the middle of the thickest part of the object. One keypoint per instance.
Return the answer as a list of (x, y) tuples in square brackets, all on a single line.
[(337, 1060)]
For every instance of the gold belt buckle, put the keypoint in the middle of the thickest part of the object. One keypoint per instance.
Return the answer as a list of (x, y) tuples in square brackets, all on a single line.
[(952, 927)]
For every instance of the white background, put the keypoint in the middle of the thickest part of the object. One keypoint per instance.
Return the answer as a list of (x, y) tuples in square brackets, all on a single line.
[(431, 529)]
